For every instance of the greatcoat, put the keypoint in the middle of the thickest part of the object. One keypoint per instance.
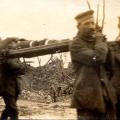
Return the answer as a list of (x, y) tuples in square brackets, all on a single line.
[(91, 85), (115, 51)]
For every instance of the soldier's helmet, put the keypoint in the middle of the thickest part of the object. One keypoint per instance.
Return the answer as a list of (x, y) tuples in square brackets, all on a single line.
[(85, 18)]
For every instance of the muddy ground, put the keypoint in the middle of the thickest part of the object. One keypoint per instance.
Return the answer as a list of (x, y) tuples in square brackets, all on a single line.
[(38, 88), (37, 110)]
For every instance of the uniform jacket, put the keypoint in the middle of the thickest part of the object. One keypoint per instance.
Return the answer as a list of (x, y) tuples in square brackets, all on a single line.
[(115, 50), (10, 70), (88, 59)]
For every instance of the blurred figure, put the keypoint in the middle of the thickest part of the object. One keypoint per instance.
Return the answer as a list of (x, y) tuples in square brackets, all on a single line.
[(10, 70)]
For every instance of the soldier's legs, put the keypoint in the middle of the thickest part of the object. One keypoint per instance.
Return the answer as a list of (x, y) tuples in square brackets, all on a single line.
[(10, 108), (90, 115), (110, 110)]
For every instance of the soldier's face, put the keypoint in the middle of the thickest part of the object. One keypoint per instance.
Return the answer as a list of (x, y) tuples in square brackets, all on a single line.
[(89, 24)]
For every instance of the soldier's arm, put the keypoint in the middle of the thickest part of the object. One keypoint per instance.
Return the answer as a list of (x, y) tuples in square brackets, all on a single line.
[(117, 56), (101, 50), (16, 66), (87, 56)]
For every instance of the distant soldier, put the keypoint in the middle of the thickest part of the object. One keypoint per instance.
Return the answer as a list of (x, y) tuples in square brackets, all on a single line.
[(53, 93), (10, 70), (93, 95)]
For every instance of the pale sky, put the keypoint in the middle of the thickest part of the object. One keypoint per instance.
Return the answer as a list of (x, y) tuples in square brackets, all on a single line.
[(52, 19), (37, 19)]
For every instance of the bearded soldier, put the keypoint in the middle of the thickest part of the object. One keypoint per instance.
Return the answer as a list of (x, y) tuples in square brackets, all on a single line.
[(93, 95), (10, 70)]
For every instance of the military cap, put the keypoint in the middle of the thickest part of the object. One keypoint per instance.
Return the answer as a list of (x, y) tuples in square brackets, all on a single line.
[(85, 17)]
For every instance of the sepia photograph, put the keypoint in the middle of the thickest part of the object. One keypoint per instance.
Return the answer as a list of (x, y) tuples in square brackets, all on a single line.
[(59, 59)]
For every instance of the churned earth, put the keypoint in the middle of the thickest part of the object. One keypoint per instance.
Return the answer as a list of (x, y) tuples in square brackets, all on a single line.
[(36, 110)]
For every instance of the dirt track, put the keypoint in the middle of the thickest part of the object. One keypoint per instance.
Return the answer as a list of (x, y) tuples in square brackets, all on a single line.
[(37, 110)]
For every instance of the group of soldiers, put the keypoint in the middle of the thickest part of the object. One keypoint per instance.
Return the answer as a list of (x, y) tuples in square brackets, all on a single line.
[(96, 64)]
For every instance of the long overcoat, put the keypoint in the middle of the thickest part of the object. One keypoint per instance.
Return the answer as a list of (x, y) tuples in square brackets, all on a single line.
[(115, 80), (91, 84)]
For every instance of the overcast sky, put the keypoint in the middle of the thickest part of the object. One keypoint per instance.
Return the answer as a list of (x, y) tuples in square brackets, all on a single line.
[(37, 19), (52, 19)]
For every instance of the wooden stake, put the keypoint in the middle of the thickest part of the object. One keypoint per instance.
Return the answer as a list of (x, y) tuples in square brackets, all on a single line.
[(103, 20), (97, 15), (39, 61), (89, 5), (119, 25)]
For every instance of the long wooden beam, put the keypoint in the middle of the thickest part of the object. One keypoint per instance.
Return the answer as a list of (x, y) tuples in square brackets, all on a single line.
[(40, 50)]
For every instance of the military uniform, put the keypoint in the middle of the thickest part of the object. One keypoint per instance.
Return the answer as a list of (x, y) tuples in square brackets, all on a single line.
[(91, 88), (115, 80), (9, 86)]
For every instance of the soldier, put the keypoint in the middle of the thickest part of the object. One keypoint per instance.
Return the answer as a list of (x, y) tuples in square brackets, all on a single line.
[(53, 93), (10, 70), (93, 95), (115, 51), (115, 80)]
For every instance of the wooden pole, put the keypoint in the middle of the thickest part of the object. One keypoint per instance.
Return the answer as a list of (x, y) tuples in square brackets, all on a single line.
[(119, 25), (103, 20), (97, 15), (40, 50), (88, 3)]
